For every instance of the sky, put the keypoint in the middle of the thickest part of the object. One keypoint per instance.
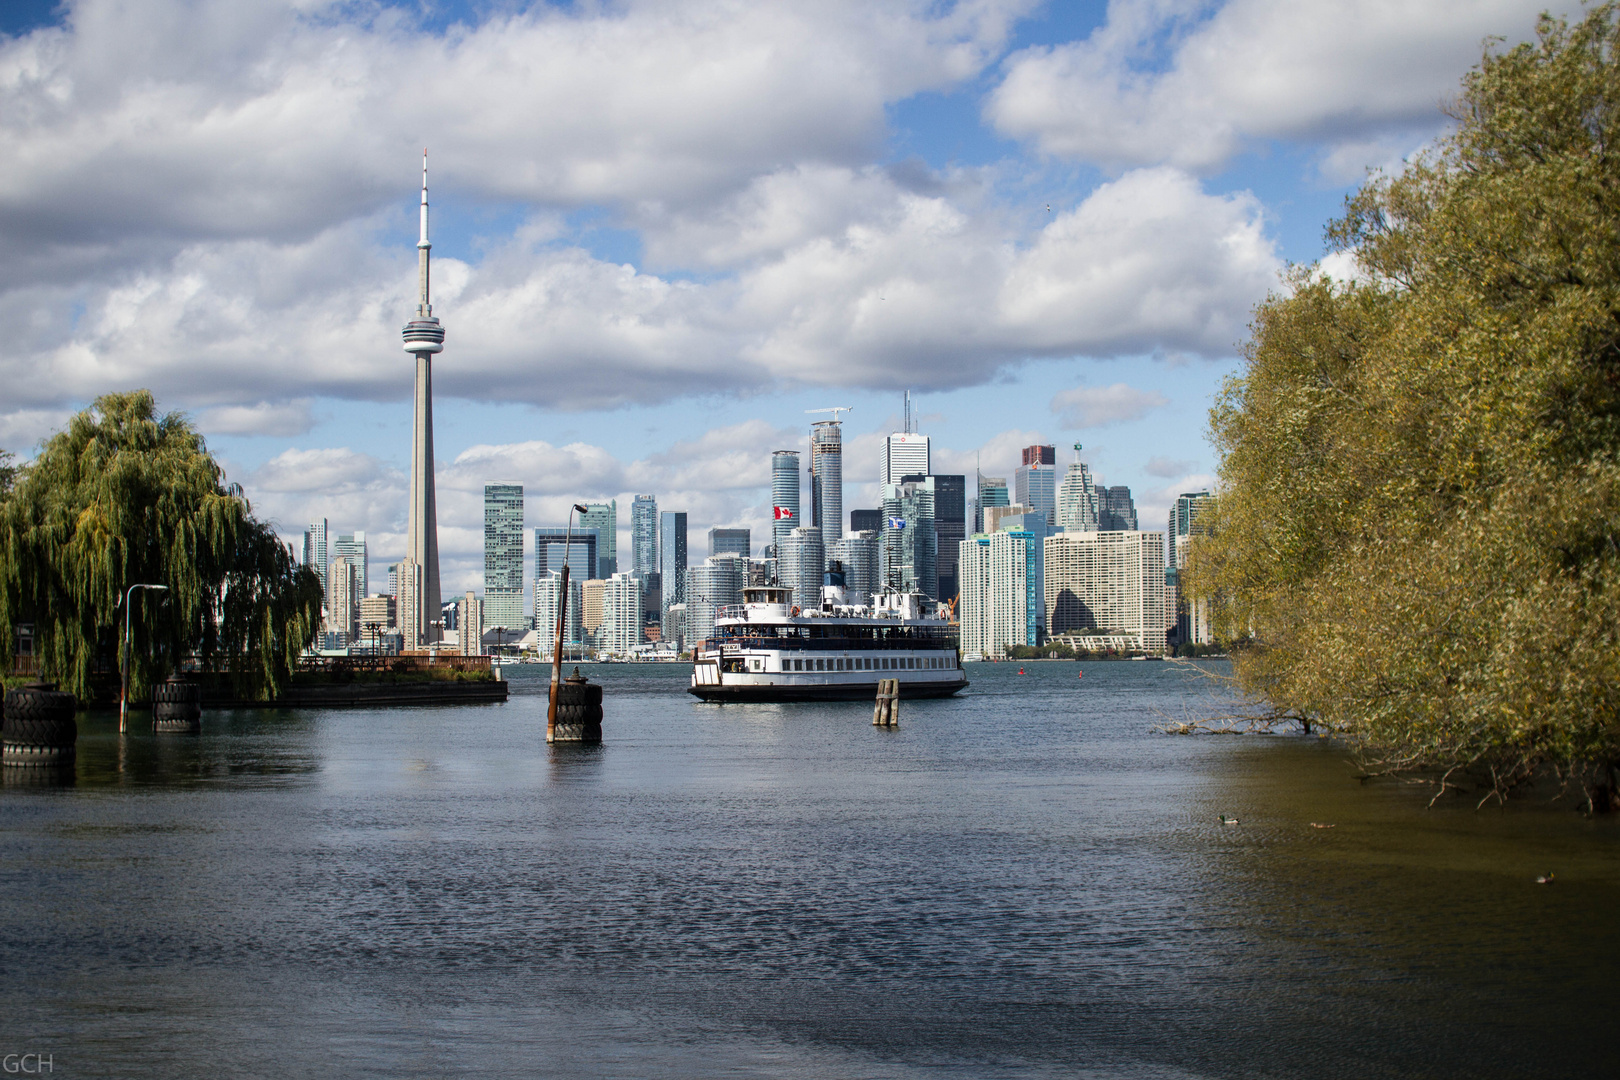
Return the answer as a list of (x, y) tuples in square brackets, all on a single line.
[(664, 231)]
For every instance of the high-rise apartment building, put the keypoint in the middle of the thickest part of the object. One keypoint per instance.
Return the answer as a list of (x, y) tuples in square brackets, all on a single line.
[(343, 597), (547, 595), (671, 560), (784, 496), (503, 556), (644, 535), (352, 546), (1184, 524), (471, 623), (827, 479), (590, 608), (865, 521), (856, 553), (995, 515), (801, 566), (1190, 618), (1035, 481), (393, 579), (909, 545), (1111, 582), (950, 527), (409, 598), (999, 600), (717, 584), (905, 453), (1116, 511), (315, 550), (1034, 523), (992, 492), (553, 546), (1077, 497), (730, 542), (603, 518), (621, 615), (378, 615)]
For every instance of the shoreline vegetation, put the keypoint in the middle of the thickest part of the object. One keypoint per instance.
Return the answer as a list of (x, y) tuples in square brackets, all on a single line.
[(1415, 543)]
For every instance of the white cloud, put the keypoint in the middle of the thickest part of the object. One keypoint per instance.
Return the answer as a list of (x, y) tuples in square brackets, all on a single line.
[(1167, 468), (263, 418), (1166, 82), (22, 430), (1100, 406)]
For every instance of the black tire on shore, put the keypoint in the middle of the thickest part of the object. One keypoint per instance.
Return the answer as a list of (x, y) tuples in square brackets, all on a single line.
[(38, 726)]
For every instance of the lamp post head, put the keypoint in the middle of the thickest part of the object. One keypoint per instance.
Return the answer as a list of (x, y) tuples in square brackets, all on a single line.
[(581, 508)]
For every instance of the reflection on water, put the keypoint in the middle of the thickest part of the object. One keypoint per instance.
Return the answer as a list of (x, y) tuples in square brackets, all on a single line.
[(1023, 881)]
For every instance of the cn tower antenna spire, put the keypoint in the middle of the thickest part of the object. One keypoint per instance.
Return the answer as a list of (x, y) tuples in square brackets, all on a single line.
[(424, 246)]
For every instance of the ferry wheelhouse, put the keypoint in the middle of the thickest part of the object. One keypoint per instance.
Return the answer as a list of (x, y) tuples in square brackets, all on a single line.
[(767, 650)]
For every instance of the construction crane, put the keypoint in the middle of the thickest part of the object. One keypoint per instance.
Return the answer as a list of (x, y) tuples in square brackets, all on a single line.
[(835, 410)]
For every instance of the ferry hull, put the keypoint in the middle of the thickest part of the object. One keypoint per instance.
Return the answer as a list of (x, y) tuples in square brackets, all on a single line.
[(909, 691)]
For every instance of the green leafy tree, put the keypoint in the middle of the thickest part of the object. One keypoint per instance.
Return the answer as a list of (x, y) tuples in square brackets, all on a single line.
[(124, 496), (1418, 532)]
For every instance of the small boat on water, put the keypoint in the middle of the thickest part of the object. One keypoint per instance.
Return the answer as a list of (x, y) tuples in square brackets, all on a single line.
[(765, 649)]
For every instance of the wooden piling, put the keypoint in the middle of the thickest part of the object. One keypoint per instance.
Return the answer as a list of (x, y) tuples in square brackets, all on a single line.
[(886, 713)]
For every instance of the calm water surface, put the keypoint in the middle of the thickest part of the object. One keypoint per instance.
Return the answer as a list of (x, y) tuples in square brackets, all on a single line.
[(1025, 881)]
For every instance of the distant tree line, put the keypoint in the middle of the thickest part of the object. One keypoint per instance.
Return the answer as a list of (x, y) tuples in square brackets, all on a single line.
[(1417, 534)]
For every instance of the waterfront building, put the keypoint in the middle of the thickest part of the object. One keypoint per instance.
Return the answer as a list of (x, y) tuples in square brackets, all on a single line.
[(644, 535), (801, 567), (590, 608), (470, 624), (950, 527), (343, 597), (730, 542), (909, 545), (784, 497), (865, 521), (503, 556), (1116, 511), (1034, 523), (905, 453), (1190, 620), (1110, 582), (992, 493), (603, 519), (856, 553), (555, 544), (315, 550), (671, 563), (998, 601), (827, 479), (1077, 497), (547, 594), (621, 615), (423, 337), (1035, 481), (716, 584)]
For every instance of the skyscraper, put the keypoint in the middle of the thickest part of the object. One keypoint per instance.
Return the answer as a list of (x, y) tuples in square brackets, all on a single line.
[(784, 496), (730, 541), (644, 535), (865, 521), (423, 337), (1035, 482), (800, 567), (671, 559), (1077, 499), (503, 556), (857, 553), (315, 550), (352, 546), (827, 479), (1116, 511), (1190, 618), (621, 615), (471, 624), (343, 599), (1107, 581), (998, 605), (909, 545), (554, 543), (1184, 524), (1034, 523), (905, 453), (992, 492), (950, 525), (547, 591), (716, 584), (604, 518)]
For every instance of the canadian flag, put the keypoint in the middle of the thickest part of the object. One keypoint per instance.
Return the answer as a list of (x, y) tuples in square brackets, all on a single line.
[(783, 513)]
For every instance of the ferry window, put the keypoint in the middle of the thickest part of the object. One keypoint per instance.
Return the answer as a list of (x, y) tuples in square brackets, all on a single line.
[(821, 665)]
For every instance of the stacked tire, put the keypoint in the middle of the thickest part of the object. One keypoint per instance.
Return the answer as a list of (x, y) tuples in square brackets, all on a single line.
[(38, 729), (579, 711), (177, 706)]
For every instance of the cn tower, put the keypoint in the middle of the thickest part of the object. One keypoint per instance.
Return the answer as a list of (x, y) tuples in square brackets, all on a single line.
[(424, 337)]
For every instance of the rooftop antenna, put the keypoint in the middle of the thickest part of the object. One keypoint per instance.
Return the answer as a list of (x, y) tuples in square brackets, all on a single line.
[(907, 427)]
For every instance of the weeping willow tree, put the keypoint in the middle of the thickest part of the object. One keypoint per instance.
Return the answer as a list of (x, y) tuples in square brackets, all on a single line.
[(125, 496), (1417, 537)]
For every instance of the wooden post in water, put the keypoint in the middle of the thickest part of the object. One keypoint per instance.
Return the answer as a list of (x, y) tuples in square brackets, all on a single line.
[(887, 711)]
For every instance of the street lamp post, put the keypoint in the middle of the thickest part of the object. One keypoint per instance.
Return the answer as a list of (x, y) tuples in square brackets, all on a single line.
[(123, 695), (562, 611)]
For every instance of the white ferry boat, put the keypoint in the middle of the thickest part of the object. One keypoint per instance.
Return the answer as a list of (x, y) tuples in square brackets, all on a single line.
[(767, 650)]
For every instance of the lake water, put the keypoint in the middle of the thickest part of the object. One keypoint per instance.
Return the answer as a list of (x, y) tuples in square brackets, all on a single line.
[(1025, 881)]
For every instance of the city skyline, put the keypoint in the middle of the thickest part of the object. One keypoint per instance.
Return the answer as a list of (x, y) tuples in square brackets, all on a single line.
[(650, 287)]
